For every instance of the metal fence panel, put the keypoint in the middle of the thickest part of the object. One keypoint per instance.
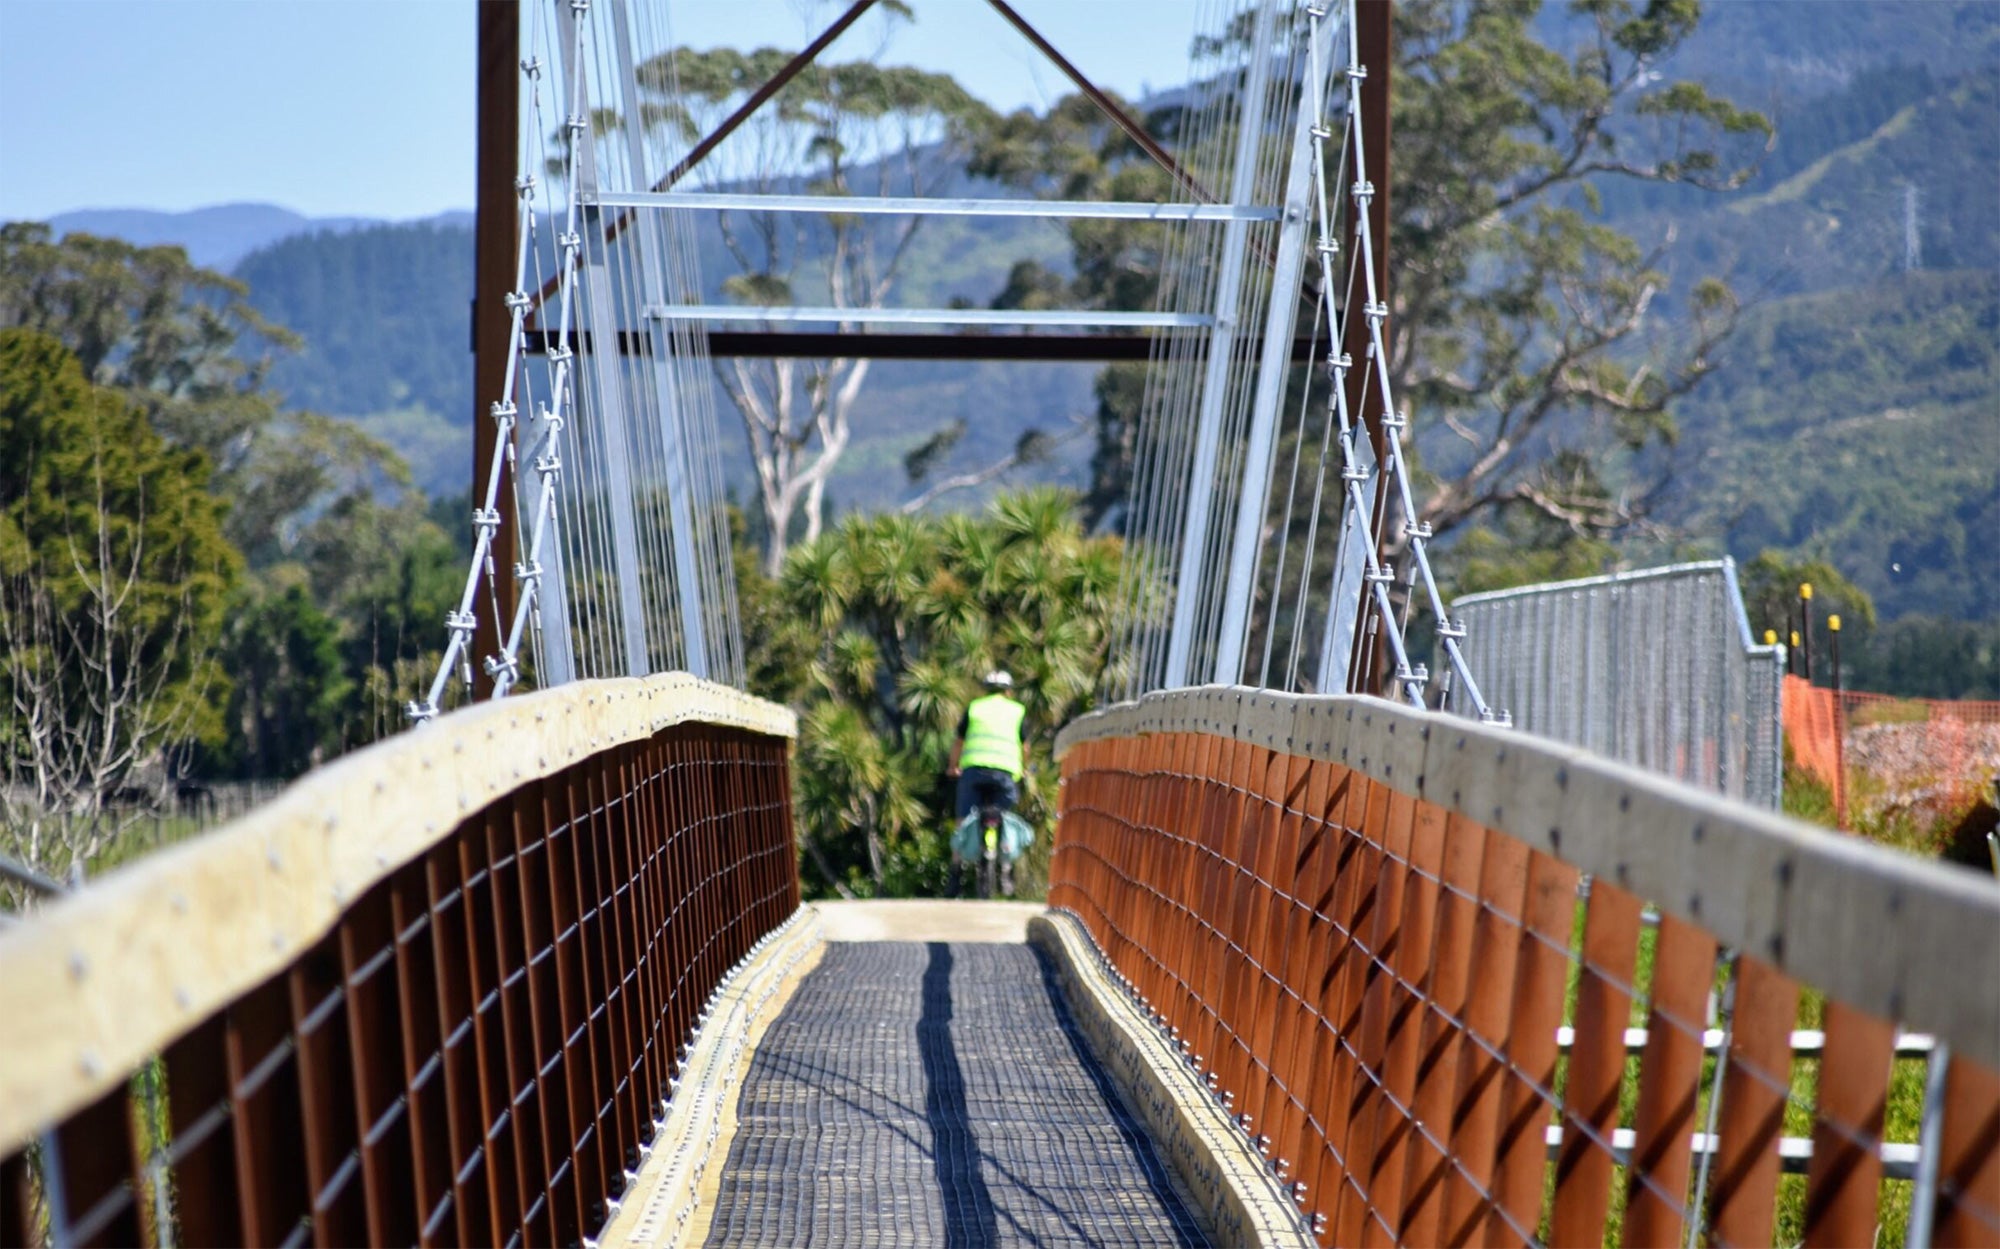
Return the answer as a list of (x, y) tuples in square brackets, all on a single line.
[(1657, 668)]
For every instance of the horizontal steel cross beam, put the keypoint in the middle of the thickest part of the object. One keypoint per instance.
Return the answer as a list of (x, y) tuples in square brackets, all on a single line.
[(925, 205), (1086, 317), (899, 345)]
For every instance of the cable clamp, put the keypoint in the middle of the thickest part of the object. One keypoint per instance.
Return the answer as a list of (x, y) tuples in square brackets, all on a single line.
[(527, 570), (577, 124), (524, 186), (558, 353), (1375, 310), (518, 301), (485, 518), (1498, 719), (1354, 472), (1322, 132), (570, 241), (420, 713), (1418, 530), (1359, 73), (1395, 420), (1413, 674), (460, 621), (503, 668), (548, 465), (1315, 11), (1328, 246), (502, 411), (1451, 632), (1364, 190), (1383, 576), (532, 66)]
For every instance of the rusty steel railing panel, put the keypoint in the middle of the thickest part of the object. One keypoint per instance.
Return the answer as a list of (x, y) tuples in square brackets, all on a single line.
[(476, 1046), (1454, 1006)]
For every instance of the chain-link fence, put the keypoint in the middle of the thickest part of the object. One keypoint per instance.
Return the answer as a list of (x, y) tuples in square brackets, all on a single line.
[(1656, 668)]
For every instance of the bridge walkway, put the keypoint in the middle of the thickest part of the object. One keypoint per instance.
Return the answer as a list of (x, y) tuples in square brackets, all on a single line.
[(933, 1092)]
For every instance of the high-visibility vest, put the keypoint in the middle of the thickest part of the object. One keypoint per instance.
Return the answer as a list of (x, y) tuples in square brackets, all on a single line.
[(993, 735)]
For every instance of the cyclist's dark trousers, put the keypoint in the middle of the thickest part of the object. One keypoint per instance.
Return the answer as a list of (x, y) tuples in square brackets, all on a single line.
[(978, 787)]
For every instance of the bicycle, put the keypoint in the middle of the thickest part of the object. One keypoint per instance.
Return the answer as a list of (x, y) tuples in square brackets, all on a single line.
[(996, 871)]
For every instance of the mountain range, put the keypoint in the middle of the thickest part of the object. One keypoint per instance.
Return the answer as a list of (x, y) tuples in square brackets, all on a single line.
[(219, 236)]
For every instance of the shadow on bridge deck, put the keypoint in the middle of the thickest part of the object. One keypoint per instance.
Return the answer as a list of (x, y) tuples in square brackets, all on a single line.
[(930, 1092)]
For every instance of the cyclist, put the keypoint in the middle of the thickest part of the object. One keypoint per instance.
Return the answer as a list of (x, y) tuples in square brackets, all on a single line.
[(986, 758)]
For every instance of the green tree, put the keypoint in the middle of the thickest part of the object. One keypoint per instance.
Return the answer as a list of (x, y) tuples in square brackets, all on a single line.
[(183, 344), (326, 518), (289, 690), (114, 573), (881, 629)]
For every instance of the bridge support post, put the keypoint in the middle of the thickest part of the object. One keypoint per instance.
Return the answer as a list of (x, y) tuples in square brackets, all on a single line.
[(496, 245), (1221, 351), (1374, 22)]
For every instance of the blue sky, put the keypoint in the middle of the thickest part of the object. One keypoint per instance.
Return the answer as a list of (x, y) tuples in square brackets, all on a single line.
[(364, 107)]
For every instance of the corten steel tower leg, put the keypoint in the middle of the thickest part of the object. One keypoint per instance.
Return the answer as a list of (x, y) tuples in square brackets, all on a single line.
[(1373, 24), (495, 252)]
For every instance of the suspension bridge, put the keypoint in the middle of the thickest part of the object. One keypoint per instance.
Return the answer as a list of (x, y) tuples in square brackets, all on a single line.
[(1332, 952)]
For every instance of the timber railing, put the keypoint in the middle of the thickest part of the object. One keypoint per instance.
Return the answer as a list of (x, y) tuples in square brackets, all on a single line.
[(434, 993), (1466, 986)]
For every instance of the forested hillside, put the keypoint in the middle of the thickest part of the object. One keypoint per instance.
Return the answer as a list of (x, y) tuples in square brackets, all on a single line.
[(1862, 426), (384, 312)]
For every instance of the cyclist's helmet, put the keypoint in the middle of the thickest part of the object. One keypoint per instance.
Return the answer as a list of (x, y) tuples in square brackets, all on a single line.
[(999, 680)]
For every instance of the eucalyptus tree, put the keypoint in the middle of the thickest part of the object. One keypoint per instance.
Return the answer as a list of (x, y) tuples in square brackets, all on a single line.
[(1528, 337), (840, 128), (879, 631)]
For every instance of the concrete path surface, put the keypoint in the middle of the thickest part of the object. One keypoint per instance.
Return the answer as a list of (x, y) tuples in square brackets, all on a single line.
[(927, 920)]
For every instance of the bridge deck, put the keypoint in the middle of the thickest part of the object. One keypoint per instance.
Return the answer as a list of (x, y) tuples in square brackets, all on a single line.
[(932, 1093)]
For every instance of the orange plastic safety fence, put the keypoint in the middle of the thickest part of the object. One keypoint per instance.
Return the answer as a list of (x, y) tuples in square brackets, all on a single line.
[(1889, 751)]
